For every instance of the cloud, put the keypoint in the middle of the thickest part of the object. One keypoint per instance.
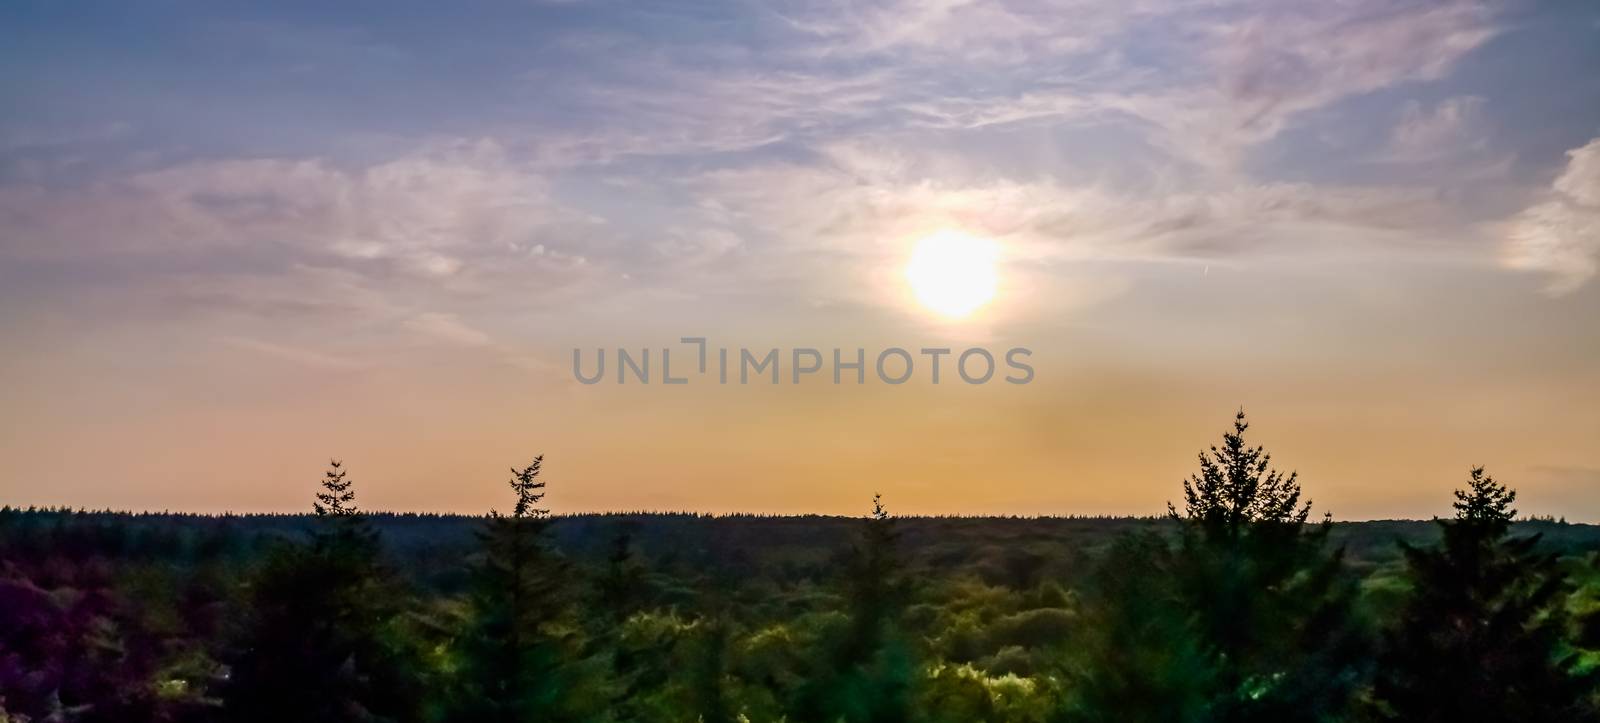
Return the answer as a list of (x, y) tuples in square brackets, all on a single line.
[(276, 234), (448, 328), (1290, 58), (975, 32), (1206, 82), (1446, 129), (296, 293), (1252, 70), (828, 230), (769, 158), (309, 358), (1560, 236), (418, 211)]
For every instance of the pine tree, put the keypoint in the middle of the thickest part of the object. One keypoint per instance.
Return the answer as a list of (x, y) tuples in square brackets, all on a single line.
[(876, 584), (1237, 491), (1272, 607), (338, 496), (1481, 636), (867, 674), (322, 642), (511, 656), (346, 531)]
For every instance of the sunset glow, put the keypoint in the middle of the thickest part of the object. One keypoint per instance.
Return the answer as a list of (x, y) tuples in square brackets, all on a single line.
[(952, 273), (246, 238)]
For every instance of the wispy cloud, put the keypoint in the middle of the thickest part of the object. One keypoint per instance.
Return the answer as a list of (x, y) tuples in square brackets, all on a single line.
[(1428, 134), (448, 328), (1561, 235), (453, 217), (299, 356), (1206, 82), (812, 137)]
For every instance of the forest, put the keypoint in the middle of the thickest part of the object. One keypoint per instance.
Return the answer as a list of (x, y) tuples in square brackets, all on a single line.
[(1240, 603)]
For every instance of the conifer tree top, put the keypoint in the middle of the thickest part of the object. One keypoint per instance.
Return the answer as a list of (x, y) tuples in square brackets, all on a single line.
[(1237, 486), (1485, 503), (337, 497), (529, 489)]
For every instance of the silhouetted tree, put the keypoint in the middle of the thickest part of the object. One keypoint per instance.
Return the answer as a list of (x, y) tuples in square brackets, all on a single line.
[(512, 654), (1237, 492), (877, 585), (338, 496), (1273, 609), (1480, 638), (322, 642), (868, 672)]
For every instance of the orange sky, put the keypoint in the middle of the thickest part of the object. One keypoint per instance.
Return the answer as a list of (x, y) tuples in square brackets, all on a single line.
[(1381, 412)]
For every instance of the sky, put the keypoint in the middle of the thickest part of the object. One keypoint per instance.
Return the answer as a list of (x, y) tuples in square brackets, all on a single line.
[(238, 239)]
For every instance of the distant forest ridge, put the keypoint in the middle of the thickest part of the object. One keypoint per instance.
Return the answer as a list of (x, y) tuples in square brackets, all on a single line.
[(952, 540), (1237, 607)]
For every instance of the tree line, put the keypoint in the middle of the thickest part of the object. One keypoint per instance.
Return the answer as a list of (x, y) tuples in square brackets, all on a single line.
[(1238, 608)]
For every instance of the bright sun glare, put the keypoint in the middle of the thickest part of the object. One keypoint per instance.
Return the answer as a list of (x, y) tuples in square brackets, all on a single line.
[(953, 273)]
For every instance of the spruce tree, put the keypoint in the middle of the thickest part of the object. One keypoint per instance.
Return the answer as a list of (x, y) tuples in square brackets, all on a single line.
[(1480, 638), (866, 674), (1273, 608), (345, 530), (877, 585), (511, 655), (1237, 492), (338, 495), (322, 639)]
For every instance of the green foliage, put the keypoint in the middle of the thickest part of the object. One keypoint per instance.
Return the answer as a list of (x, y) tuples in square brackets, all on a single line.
[(867, 674), (1486, 620), (1236, 609), (325, 638), (518, 632), (1142, 658), (1271, 608)]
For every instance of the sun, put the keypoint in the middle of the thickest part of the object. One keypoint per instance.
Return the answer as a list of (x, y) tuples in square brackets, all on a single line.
[(954, 273)]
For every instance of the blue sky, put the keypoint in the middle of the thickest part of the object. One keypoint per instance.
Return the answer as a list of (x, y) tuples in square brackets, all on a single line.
[(445, 198)]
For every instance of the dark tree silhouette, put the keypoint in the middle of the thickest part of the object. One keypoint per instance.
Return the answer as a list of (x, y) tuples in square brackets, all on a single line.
[(1237, 491), (866, 675), (338, 497), (1232, 610), (1272, 607), (511, 657), (1480, 636), (876, 583), (321, 643)]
